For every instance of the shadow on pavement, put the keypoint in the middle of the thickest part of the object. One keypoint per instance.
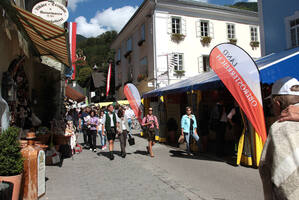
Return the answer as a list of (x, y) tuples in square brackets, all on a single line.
[(107, 154), (183, 154), (144, 153)]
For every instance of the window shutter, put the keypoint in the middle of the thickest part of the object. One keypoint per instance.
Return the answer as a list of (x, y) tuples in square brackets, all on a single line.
[(184, 28), (211, 29), (169, 24), (200, 64), (197, 28)]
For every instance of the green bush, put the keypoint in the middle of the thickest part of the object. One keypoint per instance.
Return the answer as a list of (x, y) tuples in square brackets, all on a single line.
[(11, 160)]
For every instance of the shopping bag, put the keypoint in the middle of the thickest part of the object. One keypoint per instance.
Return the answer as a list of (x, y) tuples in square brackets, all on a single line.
[(181, 139), (131, 140)]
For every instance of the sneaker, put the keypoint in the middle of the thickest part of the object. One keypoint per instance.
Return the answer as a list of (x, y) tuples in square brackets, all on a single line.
[(104, 147), (94, 150), (90, 149), (123, 155)]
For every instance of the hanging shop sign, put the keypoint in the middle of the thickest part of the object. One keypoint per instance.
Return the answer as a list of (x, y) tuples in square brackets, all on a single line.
[(53, 12)]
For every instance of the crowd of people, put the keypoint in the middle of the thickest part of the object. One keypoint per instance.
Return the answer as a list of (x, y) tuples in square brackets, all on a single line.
[(108, 123)]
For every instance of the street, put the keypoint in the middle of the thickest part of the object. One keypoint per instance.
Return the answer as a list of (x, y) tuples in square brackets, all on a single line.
[(171, 174)]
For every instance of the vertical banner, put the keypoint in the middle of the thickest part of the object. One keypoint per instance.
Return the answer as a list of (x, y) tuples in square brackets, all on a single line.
[(133, 96), (72, 39), (108, 79), (237, 70)]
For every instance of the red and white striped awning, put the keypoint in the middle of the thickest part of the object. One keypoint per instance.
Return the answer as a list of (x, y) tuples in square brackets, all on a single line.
[(49, 39)]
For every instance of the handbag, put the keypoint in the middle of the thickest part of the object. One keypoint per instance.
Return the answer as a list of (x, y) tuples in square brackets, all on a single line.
[(181, 139), (131, 140)]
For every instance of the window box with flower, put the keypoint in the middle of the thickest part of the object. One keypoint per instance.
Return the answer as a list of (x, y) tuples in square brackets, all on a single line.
[(205, 40), (177, 37)]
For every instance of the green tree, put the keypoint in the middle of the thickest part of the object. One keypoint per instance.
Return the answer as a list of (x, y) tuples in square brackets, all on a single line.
[(84, 76)]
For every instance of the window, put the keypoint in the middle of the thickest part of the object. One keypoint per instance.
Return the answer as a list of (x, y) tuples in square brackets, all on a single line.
[(253, 33), (231, 31), (294, 28), (118, 55), (206, 64), (129, 44), (143, 32), (176, 25), (143, 66), (204, 28), (177, 61)]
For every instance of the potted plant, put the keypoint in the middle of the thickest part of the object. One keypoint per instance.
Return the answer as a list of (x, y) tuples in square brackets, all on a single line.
[(205, 40), (179, 73), (254, 44), (177, 37), (233, 41), (11, 160)]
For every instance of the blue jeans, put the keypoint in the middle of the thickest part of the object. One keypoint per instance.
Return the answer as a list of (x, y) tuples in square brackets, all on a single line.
[(187, 138), (130, 124), (103, 138)]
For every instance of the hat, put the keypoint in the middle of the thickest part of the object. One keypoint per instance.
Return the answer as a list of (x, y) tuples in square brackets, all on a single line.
[(284, 86)]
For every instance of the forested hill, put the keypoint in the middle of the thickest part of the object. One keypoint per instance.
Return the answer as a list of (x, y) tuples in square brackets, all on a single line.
[(251, 6)]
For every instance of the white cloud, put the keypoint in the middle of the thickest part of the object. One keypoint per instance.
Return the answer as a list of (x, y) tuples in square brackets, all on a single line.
[(72, 4), (106, 20), (252, 0), (204, 1)]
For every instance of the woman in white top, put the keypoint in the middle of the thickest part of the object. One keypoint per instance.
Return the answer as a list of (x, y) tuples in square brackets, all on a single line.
[(101, 131), (123, 130)]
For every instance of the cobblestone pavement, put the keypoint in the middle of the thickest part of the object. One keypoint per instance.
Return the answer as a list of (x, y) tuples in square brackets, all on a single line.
[(90, 175)]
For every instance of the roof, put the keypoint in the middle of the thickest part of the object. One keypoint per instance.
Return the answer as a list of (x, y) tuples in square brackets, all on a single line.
[(272, 68), (73, 94), (98, 79)]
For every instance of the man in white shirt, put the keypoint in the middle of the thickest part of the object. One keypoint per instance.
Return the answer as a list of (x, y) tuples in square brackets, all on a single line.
[(129, 113)]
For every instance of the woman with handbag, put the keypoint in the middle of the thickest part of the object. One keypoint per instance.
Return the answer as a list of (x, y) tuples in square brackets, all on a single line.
[(150, 123), (189, 127), (123, 130)]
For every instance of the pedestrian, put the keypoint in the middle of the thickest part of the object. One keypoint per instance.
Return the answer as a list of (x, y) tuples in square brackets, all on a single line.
[(150, 123), (83, 126), (92, 125), (110, 123), (218, 124), (101, 131), (279, 160), (130, 116), (235, 120), (123, 130), (189, 128)]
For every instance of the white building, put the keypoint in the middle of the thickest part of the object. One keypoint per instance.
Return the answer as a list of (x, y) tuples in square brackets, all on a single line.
[(169, 40)]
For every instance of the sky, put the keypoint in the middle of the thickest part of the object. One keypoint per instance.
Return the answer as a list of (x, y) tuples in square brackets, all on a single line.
[(95, 17)]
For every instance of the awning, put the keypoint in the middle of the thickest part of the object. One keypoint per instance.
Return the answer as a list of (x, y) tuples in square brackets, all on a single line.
[(278, 65), (50, 40), (272, 68), (73, 94)]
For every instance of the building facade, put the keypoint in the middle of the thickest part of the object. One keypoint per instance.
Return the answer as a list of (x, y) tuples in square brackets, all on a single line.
[(167, 41), (279, 22), (41, 82)]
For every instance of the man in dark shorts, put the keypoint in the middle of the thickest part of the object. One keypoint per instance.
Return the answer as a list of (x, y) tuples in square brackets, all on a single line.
[(110, 123), (150, 123)]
